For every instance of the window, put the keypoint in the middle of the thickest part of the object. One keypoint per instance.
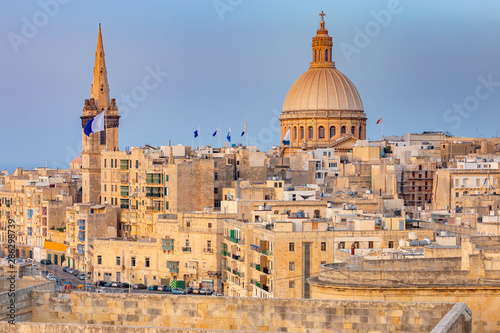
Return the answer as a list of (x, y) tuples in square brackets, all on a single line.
[(103, 137), (291, 284), (342, 130), (302, 132), (216, 176), (146, 262), (209, 225), (370, 244), (104, 187), (342, 245), (321, 132), (111, 162), (188, 225), (216, 190), (104, 162), (291, 266), (187, 242), (132, 261), (326, 55), (99, 260), (359, 133), (332, 131), (323, 246), (137, 164), (117, 261), (291, 247), (295, 132), (391, 244), (118, 276), (352, 130), (310, 134)]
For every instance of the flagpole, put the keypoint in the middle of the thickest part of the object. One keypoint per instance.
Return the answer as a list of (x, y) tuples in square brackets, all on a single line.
[(218, 132), (381, 129), (246, 133)]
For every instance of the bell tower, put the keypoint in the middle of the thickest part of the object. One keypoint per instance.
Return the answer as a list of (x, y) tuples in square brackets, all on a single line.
[(106, 140)]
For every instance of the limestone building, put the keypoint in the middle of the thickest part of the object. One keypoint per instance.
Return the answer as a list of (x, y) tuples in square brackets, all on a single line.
[(323, 107), (95, 143)]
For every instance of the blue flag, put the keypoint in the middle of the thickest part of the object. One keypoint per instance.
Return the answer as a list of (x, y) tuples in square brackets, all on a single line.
[(229, 134), (286, 139), (95, 124), (197, 132), (244, 130), (215, 133)]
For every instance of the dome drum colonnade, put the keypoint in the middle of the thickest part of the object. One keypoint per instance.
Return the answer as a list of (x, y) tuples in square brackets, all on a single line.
[(323, 105)]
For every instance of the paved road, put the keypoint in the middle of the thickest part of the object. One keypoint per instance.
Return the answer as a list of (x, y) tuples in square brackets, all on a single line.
[(58, 272)]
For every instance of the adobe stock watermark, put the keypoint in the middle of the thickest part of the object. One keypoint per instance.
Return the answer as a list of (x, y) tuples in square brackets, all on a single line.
[(223, 6), (266, 135), (31, 26), (458, 112), (127, 102), (371, 30)]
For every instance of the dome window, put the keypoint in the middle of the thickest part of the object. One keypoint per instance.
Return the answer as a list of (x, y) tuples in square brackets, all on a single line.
[(295, 132), (342, 130), (301, 132), (352, 130), (311, 133), (332, 132), (326, 55), (321, 132)]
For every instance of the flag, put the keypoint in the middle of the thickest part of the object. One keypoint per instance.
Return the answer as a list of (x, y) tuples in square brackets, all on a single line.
[(197, 132), (322, 194), (378, 121), (95, 124), (215, 133), (244, 129), (229, 134), (286, 139), (312, 122)]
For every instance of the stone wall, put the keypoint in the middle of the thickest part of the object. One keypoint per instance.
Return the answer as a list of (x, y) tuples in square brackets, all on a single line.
[(228, 313), (23, 301)]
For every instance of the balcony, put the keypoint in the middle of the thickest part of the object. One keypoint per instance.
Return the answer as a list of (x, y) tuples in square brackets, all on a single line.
[(173, 266), (224, 253), (235, 256), (124, 193), (124, 206), (266, 270), (153, 195), (167, 244), (266, 252), (235, 240), (208, 250), (186, 249)]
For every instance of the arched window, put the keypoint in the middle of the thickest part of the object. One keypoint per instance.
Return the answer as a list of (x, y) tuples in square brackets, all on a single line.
[(321, 132), (301, 132), (332, 132), (315, 55), (326, 55), (360, 133), (311, 133), (352, 130), (295, 132), (342, 130)]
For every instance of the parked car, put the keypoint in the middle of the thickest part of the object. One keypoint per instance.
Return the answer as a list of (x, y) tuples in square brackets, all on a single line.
[(178, 291), (189, 290), (166, 289), (204, 291), (217, 293), (109, 284), (44, 272), (153, 288), (139, 286), (196, 290), (81, 276), (75, 272), (123, 285), (45, 262), (209, 292), (101, 283)]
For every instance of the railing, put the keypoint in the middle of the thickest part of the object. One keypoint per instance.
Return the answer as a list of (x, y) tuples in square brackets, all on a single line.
[(265, 252), (235, 240), (235, 256), (124, 206), (208, 250), (266, 270), (186, 249)]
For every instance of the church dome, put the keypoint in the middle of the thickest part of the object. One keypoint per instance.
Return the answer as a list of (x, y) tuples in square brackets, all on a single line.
[(323, 89)]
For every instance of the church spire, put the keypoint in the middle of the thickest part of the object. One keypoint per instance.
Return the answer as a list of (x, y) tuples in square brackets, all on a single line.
[(322, 47), (100, 89)]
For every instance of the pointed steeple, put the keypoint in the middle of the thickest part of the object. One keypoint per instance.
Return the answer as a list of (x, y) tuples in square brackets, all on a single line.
[(322, 47), (100, 89)]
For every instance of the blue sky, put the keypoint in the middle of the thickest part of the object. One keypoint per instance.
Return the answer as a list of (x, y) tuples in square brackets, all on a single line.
[(421, 65)]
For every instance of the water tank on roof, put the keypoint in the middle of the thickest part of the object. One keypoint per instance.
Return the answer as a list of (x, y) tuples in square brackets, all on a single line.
[(414, 243), (306, 214), (300, 214), (412, 236), (402, 243)]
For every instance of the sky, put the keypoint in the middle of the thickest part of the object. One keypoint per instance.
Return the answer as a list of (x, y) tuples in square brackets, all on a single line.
[(177, 65)]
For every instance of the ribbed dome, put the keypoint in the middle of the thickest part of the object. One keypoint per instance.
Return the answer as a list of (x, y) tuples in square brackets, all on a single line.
[(322, 89)]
